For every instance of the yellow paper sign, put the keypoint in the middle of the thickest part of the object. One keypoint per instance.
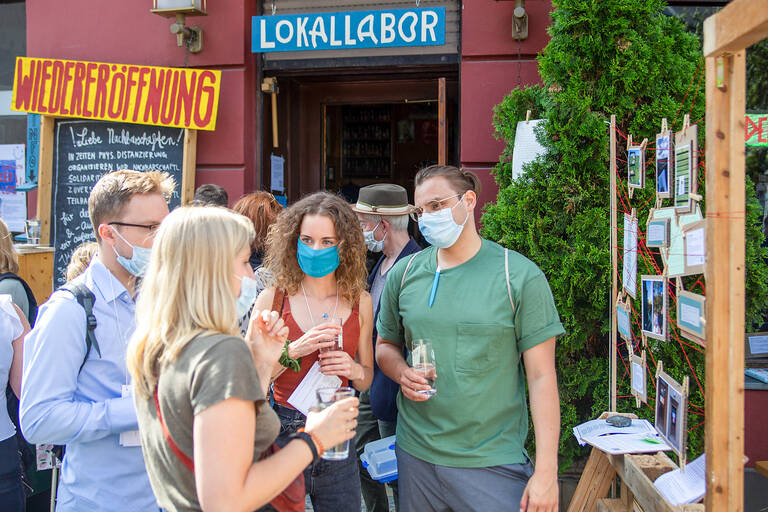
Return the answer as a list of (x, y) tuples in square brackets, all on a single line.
[(182, 98)]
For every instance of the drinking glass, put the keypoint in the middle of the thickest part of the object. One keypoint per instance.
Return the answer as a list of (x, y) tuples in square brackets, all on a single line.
[(423, 361), (338, 339), (325, 397), (32, 230)]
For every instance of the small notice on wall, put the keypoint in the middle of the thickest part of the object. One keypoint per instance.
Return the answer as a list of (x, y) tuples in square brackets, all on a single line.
[(527, 148), (277, 164), (13, 204)]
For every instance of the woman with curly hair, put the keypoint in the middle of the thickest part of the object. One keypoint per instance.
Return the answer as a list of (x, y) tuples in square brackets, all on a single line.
[(316, 254)]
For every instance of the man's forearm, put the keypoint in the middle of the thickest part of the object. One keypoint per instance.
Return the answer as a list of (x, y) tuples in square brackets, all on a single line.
[(390, 359), (545, 413)]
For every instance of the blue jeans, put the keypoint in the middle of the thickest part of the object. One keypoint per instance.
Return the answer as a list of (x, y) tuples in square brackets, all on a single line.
[(12, 494), (333, 486)]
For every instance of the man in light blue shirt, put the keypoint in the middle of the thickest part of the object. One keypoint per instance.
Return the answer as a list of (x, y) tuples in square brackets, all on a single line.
[(88, 409)]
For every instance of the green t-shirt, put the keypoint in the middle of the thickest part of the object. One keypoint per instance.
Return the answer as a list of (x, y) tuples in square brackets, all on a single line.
[(209, 369), (479, 416)]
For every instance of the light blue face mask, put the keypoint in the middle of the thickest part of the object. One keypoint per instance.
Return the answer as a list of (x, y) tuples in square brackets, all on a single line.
[(439, 228), (317, 262), (371, 242), (136, 264), (249, 290)]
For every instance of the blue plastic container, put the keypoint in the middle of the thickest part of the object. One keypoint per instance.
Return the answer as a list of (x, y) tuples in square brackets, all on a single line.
[(379, 459)]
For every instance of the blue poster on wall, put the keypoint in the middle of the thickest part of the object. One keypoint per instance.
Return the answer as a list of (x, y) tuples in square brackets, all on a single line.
[(348, 30), (33, 151)]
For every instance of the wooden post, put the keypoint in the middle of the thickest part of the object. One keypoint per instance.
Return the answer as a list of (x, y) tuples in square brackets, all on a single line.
[(442, 132), (725, 283), (45, 177), (189, 161), (614, 261)]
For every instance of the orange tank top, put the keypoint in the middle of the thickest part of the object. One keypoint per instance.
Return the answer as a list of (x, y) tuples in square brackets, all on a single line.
[(289, 380)]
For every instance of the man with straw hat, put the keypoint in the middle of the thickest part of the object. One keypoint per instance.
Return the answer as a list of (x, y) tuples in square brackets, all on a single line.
[(383, 211)]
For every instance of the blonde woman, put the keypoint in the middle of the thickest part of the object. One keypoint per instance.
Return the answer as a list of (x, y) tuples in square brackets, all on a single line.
[(316, 254), (196, 379), (10, 282)]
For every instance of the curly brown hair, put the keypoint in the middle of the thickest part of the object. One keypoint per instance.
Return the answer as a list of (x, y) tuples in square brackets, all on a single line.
[(262, 208), (281, 259)]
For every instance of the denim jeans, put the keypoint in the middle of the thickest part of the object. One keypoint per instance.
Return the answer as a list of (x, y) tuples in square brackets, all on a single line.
[(12, 494), (374, 493), (333, 486)]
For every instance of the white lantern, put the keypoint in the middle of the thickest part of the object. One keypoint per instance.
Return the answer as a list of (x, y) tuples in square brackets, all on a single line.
[(171, 8)]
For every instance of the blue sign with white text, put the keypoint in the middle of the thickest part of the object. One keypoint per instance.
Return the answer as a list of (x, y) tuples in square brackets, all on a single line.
[(348, 30)]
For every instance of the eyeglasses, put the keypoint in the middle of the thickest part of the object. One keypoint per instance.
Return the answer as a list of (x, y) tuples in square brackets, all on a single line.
[(432, 206), (152, 228)]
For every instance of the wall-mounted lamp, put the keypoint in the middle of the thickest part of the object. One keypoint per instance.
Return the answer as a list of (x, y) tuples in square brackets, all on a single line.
[(519, 21), (191, 37)]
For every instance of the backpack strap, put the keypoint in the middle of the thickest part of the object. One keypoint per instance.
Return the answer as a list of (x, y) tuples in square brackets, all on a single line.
[(506, 273), (407, 266), (86, 299), (183, 457)]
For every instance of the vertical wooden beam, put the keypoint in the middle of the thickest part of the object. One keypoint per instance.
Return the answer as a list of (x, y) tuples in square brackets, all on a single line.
[(724, 427), (614, 262), (442, 132), (189, 163), (45, 178)]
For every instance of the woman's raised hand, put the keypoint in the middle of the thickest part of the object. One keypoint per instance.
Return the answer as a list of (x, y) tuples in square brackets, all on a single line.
[(266, 336), (335, 424), (320, 336)]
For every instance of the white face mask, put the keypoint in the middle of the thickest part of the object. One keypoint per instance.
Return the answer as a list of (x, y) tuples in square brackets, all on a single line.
[(136, 264), (439, 228), (371, 242)]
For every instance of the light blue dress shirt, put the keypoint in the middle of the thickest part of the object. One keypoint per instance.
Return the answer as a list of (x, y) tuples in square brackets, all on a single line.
[(85, 410)]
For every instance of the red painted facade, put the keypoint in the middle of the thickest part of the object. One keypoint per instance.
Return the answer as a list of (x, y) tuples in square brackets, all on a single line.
[(126, 32)]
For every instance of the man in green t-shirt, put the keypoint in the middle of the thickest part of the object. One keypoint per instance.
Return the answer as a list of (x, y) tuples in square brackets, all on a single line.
[(492, 322)]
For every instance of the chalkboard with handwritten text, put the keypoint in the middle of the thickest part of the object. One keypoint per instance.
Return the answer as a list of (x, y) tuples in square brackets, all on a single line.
[(86, 150)]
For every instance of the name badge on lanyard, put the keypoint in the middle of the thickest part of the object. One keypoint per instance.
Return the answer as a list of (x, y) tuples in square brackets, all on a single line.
[(129, 437)]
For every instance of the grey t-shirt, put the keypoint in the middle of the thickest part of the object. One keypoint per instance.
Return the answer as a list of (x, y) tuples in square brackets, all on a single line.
[(377, 287), (15, 289), (210, 369)]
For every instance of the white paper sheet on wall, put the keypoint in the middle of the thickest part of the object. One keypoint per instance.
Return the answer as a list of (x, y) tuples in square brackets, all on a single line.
[(527, 148), (277, 164)]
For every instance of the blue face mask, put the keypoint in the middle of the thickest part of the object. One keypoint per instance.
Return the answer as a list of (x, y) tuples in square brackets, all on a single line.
[(249, 290), (317, 262), (440, 229), (136, 264)]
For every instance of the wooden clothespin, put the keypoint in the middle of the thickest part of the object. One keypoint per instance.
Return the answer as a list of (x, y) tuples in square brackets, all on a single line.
[(686, 122), (678, 284), (644, 143), (629, 141), (527, 116), (696, 197), (659, 368), (664, 126), (645, 342)]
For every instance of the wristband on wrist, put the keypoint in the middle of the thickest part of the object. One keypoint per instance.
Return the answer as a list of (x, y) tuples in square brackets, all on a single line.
[(314, 443), (288, 361)]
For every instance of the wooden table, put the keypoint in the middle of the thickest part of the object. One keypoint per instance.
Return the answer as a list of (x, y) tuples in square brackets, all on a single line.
[(36, 268), (762, 467)]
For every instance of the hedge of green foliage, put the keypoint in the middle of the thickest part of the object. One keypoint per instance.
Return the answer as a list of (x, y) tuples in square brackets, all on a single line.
[(621, 57)]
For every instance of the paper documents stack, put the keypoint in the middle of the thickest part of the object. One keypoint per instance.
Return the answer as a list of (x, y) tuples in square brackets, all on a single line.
[(687, 486), (639, 437)]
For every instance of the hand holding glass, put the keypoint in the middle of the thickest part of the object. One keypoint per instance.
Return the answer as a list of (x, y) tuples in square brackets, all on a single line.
[(326, 397), (423, 361)]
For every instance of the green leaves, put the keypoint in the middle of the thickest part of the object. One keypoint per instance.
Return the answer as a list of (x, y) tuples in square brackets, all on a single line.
[(621, 57)]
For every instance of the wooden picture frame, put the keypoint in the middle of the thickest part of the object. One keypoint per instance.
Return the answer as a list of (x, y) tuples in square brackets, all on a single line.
[(653, 307), (695, 247), (638, 379), (672, 412), (756, 349), (664, 161), (674, 256), (624, 320), (636, 164), (691, 316), (686, 168), (657, 233), (629, 268)]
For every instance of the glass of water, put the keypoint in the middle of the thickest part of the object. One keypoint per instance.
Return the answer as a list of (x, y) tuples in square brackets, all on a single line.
[(32, 230), (423, 361), (338, 339), (326, 397)]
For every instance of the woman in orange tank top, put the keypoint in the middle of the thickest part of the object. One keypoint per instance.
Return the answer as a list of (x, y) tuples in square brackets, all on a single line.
[(316, 255)]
